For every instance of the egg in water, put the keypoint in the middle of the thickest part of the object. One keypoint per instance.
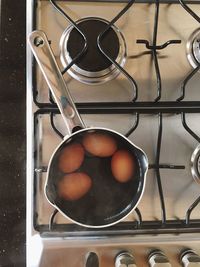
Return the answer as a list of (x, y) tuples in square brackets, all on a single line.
[(71, 158), (73, 186), (123, 166), (99, 144)]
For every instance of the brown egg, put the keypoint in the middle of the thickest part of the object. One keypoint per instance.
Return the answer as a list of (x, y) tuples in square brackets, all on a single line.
[(100, 144), (73, 186), (71, 158), (123, 166)]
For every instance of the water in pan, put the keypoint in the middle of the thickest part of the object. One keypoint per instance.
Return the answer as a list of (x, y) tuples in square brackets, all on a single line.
[(107, 200)]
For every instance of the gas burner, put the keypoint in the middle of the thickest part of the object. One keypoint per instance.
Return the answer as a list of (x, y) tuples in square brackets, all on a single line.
[(195, 161), (93, 66), (193, 49)]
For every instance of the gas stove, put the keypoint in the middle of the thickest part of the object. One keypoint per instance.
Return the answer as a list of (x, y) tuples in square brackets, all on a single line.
[(132, 67)]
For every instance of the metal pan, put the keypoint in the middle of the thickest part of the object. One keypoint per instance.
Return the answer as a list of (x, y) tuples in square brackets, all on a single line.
[(96, 176)]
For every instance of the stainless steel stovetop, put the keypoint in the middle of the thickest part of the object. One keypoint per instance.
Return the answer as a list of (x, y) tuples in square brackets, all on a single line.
[(163, 121)]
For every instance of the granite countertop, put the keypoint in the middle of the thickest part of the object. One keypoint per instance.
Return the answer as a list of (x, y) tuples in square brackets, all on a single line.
[(12, 133)]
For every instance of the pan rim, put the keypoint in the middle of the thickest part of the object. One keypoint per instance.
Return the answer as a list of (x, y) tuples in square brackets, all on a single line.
[(49, 166)]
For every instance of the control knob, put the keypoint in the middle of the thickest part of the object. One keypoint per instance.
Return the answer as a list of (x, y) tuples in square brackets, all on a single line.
[(158, 259), (190, 259), (125, 259), (92, 260)]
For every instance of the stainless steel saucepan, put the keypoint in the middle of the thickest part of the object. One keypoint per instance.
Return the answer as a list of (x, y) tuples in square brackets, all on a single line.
[(96, 176)]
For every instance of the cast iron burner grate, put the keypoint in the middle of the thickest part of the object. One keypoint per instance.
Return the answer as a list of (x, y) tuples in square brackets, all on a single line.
[(158, 107)]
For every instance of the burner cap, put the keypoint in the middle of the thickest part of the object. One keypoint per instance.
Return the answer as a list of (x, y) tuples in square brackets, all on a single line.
[(195, 164), (193, 48), (93, 60), (93, 66)]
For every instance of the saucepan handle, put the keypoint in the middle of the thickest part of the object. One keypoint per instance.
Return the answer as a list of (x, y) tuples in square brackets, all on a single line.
[(49, 67)]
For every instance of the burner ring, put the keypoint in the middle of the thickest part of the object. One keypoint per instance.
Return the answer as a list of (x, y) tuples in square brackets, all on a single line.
[(100, 75), (193, 48), (195, 164)]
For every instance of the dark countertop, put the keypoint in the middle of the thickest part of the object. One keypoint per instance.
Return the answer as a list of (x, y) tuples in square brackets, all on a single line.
[(12, 133)]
